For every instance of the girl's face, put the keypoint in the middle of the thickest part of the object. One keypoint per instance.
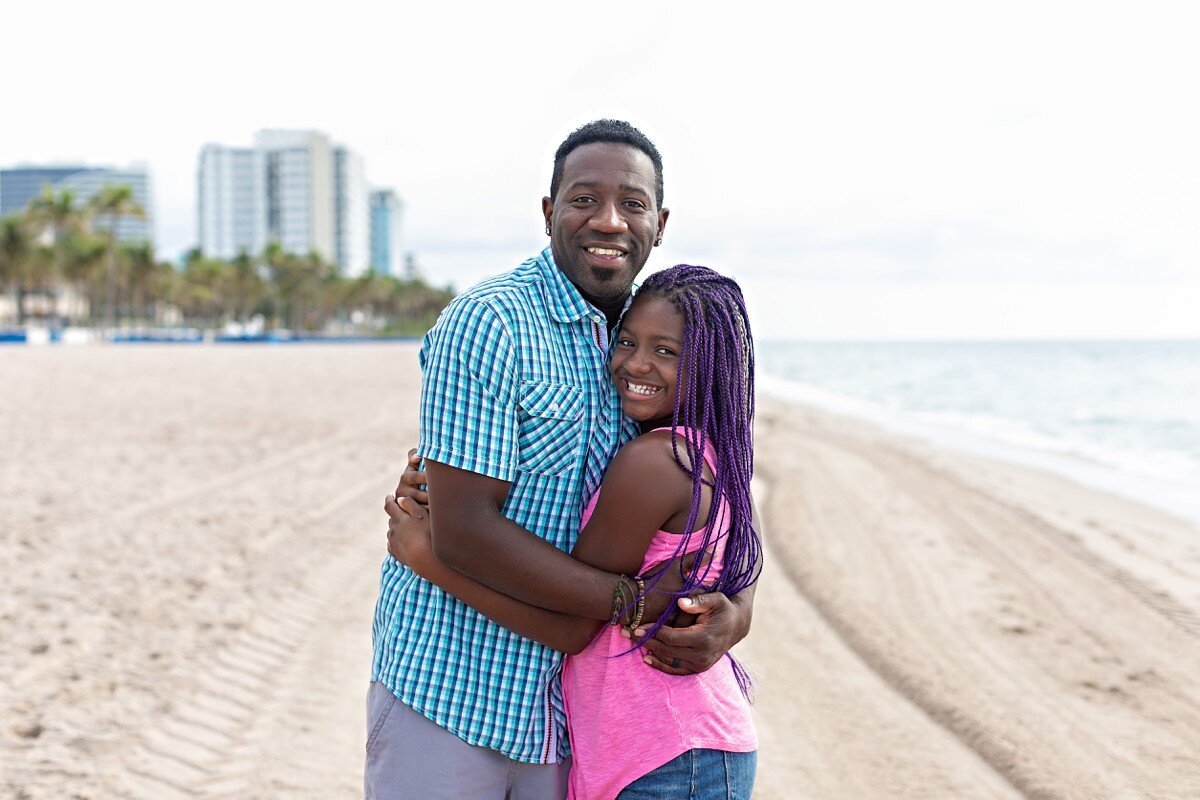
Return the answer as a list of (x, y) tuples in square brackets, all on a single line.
[(645, 361)]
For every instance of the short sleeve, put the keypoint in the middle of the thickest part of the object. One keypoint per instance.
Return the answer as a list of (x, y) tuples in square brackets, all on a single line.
[(469, 392)]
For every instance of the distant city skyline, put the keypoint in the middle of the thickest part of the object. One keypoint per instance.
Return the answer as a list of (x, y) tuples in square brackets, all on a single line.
[(865, 169)]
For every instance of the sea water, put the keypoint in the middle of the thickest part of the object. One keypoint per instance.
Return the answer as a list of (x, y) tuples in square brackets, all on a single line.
[(1121, 416)]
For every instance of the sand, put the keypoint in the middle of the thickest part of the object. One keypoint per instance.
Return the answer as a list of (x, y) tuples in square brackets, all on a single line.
[(189, 545)]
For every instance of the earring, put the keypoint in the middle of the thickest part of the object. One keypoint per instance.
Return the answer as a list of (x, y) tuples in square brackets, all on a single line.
[(547, 230), (658, 241)]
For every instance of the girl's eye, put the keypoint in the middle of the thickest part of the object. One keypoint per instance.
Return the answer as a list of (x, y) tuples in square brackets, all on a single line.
[(666, 351), (623, 342)]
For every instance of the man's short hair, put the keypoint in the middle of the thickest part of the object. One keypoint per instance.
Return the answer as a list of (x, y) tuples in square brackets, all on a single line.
[(608, 130)]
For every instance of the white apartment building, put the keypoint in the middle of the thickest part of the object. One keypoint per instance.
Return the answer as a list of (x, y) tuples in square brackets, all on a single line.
[(300, 190), (353, 215), (232, 201), (294, 187)]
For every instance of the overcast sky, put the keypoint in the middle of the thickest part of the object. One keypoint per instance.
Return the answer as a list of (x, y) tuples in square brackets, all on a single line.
[(867, 170)]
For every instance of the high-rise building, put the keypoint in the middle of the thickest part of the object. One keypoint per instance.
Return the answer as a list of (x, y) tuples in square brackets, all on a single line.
[(20, 185), (387, 252), (232, 207), (294, 187), (300, 193), (353, 234)]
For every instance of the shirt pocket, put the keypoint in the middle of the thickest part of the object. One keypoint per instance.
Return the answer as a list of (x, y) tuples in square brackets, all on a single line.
[(551, 427)]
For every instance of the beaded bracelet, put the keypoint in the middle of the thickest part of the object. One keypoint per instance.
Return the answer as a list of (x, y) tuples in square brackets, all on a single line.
[(641, 604), (637, 600), (619, 604)]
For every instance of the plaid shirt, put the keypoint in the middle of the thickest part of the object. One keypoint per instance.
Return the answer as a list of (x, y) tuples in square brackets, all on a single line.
[(516, 387)]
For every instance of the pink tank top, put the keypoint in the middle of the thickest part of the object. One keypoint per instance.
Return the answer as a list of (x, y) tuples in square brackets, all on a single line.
[(626, 719)]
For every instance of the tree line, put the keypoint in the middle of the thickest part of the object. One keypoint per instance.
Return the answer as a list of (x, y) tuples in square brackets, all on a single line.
[(54, 250)]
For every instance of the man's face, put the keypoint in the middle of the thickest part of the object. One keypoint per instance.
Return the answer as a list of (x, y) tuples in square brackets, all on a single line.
[(604, 220)]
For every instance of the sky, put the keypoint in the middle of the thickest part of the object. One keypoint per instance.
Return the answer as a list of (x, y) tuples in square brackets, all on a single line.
[(865, 170)]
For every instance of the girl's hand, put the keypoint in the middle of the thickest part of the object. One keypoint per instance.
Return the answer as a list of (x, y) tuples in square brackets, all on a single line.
[(409, 538), (412, 482)]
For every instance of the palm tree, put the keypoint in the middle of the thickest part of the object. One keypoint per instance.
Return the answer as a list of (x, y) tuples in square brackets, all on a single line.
[(247, 288), (84, 257), (16, 252), (56, 214), (142, 268), (114, 203)]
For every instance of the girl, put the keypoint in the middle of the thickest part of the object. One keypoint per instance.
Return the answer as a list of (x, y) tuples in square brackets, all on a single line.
[(683, 364)]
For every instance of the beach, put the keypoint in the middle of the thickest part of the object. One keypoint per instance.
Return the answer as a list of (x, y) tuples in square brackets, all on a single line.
[(190, 538)]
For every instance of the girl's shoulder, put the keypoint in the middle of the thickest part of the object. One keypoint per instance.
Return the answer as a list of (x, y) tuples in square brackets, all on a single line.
[(655, 452), (652, 450)]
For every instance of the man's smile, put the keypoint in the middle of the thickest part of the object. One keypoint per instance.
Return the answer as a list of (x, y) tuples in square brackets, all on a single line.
[(605, 256)]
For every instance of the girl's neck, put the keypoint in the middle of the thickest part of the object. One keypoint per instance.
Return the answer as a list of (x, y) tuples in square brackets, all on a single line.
[(646, 427)]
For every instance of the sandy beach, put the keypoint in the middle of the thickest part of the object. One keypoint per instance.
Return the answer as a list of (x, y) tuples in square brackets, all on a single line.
[(189, 548)]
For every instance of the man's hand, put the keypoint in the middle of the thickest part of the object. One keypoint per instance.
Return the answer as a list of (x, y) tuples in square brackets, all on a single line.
[(719, 625), (663, 591), (412, 482)]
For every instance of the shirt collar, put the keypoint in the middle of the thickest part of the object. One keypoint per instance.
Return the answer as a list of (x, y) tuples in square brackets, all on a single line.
[(565, 302)]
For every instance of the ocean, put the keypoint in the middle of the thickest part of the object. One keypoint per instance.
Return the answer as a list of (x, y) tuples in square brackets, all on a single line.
[(1123, 416)]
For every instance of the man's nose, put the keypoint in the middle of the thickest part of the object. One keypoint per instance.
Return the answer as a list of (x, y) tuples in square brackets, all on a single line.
[(607, 218)]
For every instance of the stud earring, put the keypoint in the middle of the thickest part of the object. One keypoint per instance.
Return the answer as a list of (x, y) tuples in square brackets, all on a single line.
[(547, 230), (658, 241)]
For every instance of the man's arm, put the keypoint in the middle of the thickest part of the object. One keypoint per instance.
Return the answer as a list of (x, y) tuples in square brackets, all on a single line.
[(472, 536), (409, 542)]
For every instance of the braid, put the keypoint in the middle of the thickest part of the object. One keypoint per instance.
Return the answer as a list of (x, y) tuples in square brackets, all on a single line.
[(714, 403)]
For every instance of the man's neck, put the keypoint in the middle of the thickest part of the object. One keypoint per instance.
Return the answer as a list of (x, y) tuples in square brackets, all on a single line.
[(611, 312)]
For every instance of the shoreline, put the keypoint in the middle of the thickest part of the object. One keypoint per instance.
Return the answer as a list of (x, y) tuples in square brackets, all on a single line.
[(1180, 500)]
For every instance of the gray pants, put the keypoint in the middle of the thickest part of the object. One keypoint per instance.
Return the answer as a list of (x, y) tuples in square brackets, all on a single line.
[(411, 758)]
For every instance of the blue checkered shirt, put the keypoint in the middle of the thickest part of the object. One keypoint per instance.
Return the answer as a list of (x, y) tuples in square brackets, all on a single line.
[(516, 387)]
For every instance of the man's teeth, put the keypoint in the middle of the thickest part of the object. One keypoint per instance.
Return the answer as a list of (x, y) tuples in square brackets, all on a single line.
[(604, 251), (639, 389)]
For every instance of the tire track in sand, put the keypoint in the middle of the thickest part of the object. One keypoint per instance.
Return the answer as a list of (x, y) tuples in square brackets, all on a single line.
[(277, 694), (960, 609)]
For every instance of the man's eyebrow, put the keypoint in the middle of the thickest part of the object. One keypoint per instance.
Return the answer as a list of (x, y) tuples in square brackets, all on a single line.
[(625, 187)]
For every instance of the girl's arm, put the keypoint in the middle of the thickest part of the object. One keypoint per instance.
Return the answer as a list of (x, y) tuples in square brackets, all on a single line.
[(642, 490)]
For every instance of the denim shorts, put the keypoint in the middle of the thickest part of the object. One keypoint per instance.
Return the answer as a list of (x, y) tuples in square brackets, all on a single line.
[(697, 775)]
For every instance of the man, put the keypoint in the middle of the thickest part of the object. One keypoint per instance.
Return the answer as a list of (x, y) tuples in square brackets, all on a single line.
[(518, 422)]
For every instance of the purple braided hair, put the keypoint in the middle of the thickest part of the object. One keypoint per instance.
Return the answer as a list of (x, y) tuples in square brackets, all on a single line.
[(714, 402)]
